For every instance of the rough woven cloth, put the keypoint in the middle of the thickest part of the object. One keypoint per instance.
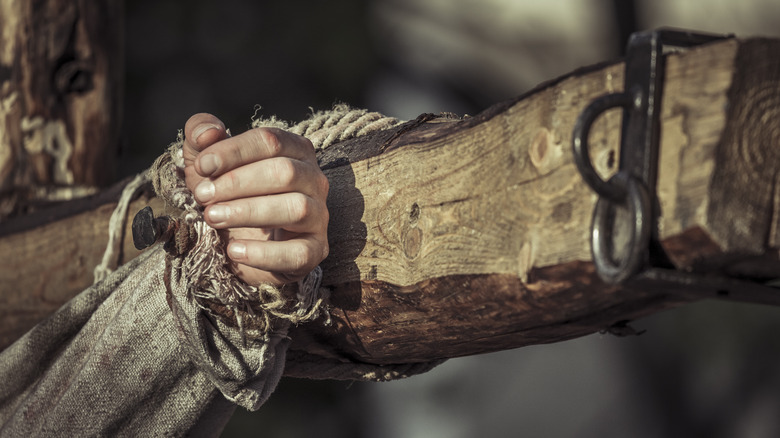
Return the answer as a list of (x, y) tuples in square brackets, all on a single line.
[(169, 343), (111, 362)]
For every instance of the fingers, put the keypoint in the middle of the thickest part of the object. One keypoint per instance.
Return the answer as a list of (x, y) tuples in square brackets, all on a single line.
[(252, 146), (294, 212), (277, 262), (267, 177), (265, 191)]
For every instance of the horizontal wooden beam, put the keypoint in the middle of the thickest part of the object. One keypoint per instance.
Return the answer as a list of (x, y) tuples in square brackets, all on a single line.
[(49, 257), (452, 237), (462, 237)]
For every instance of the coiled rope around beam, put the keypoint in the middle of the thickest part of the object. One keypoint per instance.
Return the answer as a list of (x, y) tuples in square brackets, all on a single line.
[(215, 287), (323, 129), (209, 269)]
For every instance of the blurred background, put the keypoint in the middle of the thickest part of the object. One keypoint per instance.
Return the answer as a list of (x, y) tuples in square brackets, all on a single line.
[(706, 370)]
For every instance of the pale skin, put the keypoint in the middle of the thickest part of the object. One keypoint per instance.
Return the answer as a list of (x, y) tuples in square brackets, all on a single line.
[(265, 193)]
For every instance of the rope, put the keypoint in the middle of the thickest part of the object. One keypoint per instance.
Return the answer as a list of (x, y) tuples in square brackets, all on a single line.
[(116, 226), (254, 308), (324, 128), (257, 310)]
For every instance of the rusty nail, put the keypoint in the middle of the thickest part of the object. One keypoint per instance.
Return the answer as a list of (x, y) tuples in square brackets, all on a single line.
[(147, 229)]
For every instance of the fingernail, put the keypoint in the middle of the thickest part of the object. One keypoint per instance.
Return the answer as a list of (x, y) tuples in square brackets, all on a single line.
[(218, 213), (209, 164), (200, 129), (204, 192), (237, 251)]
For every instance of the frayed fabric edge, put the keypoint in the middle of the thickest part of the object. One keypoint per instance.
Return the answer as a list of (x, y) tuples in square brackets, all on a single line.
[(208, 267)]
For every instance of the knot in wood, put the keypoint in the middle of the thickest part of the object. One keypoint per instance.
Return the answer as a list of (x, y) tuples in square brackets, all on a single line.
[(73, 76)]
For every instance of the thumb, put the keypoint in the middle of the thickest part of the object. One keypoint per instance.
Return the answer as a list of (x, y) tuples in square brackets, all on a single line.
[(201, 131)]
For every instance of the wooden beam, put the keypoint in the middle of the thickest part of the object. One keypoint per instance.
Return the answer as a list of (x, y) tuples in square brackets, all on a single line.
[(473, 236), (455, 237), (48, 264), (61, 67)]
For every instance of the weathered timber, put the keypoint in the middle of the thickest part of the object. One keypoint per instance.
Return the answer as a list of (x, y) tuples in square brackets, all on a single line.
[(44, 267), (452, 237), (60, 99), (476, 231)]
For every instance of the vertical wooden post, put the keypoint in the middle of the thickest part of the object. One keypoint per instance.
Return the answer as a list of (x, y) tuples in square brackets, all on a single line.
[(61, 70)]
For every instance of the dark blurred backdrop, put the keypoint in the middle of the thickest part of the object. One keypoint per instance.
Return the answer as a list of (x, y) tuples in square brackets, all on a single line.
[(706, 370)]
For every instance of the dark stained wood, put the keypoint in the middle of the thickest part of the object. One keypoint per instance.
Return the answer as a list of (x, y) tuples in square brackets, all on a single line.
[(61, 66)]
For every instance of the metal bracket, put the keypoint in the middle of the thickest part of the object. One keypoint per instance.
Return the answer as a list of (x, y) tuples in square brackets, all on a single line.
[(634, 185), (624, 231)]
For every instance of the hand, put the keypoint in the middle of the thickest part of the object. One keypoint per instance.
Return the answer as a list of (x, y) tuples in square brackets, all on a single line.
[(265, 193)]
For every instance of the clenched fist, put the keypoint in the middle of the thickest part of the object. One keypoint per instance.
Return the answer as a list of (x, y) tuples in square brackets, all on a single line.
[(265, 193)]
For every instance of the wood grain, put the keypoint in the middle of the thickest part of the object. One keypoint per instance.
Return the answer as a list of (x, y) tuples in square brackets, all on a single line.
[(45, 267), (451, 237), (61, 66)]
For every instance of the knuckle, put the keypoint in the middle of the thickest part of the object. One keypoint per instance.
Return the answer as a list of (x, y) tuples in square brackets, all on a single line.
[(284, 172), (307, 144), (326, 218), (325, 251), (323, 184), (298, 207), (271, 139)]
